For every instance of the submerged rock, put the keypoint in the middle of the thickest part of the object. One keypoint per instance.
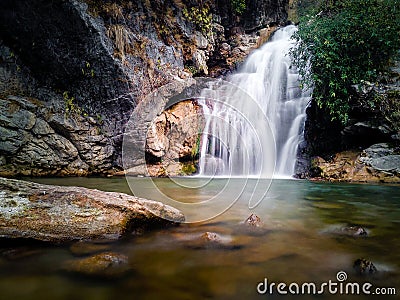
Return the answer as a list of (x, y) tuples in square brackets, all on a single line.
[(21, 252), (60, 214), (364, 267), (253, 220), (354, 231), (211, 237), (253, 225), (211, 240), (106, 264), (347, 231), (82, 248)]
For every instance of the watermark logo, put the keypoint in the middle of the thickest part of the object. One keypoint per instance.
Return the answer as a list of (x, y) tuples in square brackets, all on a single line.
[(340, 286), (240, 130)]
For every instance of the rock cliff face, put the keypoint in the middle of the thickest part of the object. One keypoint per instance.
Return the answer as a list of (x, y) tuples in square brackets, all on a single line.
[(260, 13), (73, 71)]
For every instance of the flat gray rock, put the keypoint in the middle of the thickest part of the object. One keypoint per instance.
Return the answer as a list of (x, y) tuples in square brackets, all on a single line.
[(389, 163)]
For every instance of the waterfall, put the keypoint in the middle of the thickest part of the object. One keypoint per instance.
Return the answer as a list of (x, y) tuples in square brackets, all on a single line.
[(260, 105)]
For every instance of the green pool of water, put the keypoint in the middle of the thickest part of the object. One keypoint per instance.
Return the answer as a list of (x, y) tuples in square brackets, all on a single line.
[(299, 245)]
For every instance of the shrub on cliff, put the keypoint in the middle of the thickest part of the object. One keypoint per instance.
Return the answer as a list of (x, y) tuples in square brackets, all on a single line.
[(238, 6), (341, 43)]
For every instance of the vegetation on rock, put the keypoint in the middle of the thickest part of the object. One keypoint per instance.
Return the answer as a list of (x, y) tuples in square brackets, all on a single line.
[(238, 6), (188, 168), (342, 43), (200, 15)]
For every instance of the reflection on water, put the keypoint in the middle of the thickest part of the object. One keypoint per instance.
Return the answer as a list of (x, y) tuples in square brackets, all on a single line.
[(299, 245)]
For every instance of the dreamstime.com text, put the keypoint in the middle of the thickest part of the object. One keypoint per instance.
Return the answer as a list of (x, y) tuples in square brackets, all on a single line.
[(340, 287)]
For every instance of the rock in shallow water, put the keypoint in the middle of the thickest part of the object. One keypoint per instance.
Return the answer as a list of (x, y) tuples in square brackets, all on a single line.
[(364, 267), (211, 237), (347, 231), (253, 225), (354, 231), (106, 264), (253, 220), (209, 240), (60, 214)]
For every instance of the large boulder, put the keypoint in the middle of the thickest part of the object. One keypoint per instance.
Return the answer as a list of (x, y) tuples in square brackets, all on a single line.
[(389, 163), (61, 214), (382, 157), (176, 131)]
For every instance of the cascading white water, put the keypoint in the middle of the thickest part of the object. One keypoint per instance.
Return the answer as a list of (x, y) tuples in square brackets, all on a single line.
[(235, 139)]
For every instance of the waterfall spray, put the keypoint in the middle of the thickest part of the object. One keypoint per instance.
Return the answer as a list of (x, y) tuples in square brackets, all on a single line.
[(230, 144)]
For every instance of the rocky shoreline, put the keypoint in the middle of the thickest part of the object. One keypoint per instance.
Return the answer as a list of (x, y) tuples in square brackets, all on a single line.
[(379, 163)]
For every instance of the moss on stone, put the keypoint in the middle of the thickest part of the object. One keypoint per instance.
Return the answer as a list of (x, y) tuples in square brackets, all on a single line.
[(188, 168)]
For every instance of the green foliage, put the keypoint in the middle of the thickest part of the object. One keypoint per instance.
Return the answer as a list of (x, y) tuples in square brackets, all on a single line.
[(192, 69), (99, 119), (196, 149), (71, 106), (341, 43), (201, 16), (188, 168), (238, 6), (87, 71)]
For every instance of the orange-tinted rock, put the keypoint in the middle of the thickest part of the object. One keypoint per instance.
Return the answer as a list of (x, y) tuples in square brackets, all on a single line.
[(348, 166), (210, 237)]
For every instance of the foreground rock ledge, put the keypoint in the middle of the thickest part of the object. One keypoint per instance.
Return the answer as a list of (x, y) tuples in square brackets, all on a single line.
[(61, 214)]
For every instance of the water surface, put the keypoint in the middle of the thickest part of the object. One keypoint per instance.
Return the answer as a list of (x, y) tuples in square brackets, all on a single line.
[(298, 245)]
